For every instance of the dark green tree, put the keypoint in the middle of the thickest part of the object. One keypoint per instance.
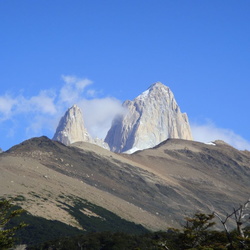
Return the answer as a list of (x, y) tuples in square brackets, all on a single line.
[(196, 231), (6, 214)]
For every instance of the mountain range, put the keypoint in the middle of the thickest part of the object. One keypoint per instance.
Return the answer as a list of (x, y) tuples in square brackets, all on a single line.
[(149, 119), (73, 181), (155, 187)]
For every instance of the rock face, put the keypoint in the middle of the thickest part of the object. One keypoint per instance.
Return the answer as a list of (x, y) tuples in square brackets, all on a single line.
[(151, 118), (71, 127)]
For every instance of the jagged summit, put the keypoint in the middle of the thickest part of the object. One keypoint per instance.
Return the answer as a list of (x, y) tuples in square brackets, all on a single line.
[(153, 87), (71, 127), (151, 118), (157, 85)]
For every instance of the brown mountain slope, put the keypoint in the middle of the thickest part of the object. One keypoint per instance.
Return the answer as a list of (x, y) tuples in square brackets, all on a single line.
[(208, 176), (47, 173), (155, 187)]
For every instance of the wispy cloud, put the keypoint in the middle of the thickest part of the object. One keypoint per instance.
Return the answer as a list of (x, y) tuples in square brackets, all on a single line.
[(6, 106), (38, 124), (43, 111), (98, 114), (79, 83), (44, 102), (11, 106), (41, 103), (73, 88), (208, 132)]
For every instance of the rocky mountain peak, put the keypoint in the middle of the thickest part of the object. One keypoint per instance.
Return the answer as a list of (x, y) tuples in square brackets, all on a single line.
[(153, 89), (71, 127), (158, 86), (158, 93), (151, 118)]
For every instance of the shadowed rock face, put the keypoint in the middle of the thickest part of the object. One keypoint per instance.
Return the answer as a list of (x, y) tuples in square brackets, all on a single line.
[(156, 187), (151, 118)]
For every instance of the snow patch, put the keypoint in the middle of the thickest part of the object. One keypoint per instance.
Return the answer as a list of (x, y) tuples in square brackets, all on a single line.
[(210, 143), (143, 95), (131, 151)]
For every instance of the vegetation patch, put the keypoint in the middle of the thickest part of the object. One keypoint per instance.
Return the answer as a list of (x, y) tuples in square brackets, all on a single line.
[(101, 219), (93, 219)]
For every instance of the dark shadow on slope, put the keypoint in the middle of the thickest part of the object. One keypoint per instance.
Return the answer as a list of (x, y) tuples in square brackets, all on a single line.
[(40, 230)]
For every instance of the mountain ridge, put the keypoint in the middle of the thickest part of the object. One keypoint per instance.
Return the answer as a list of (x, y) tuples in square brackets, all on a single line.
[(152, 117), (154, 187)]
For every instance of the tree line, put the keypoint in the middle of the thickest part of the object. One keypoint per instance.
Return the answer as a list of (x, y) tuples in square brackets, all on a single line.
[(197, 233)]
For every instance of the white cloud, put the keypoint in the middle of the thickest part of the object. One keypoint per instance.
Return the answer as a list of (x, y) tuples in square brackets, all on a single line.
[(99, 113), (44, 102), (20, 111), (91, 93), (43, 111), (6, 106), (73, 88), (209, 132), (69, 79), (41, 103), (38, 123), (80, 83)]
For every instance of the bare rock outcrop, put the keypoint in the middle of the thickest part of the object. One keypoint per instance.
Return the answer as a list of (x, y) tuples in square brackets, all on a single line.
[(71, 127), (151, 118)]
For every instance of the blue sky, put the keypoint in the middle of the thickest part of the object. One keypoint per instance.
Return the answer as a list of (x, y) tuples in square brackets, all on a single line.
[(98, 53)]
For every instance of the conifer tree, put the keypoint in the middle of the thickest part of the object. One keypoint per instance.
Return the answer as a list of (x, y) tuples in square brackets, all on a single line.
[(6, 214)]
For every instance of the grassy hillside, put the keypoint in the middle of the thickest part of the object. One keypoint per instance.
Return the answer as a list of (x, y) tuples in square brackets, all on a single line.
[(90, 217)]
